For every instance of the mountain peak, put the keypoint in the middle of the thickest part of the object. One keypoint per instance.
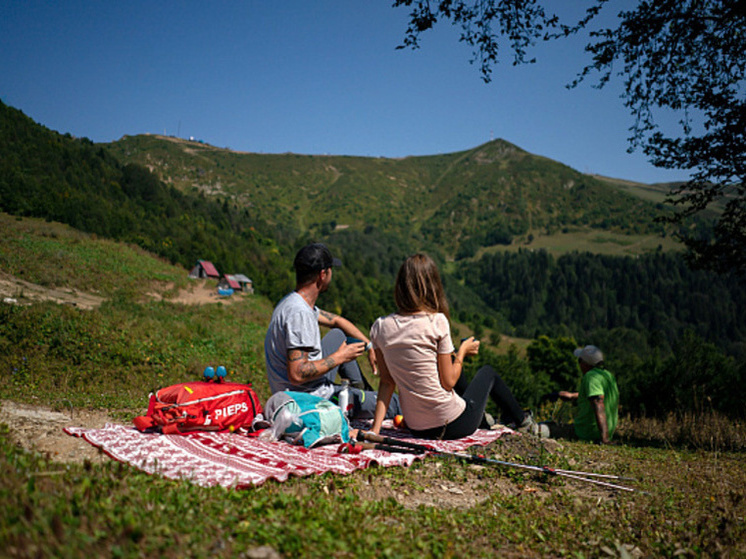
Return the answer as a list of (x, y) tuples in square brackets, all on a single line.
[(497, 150)]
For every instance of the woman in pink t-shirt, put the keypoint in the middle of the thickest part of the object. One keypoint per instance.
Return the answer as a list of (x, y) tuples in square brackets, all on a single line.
[(415, 352)]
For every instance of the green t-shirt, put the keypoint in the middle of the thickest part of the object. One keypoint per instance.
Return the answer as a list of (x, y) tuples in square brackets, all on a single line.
[(595, 383)]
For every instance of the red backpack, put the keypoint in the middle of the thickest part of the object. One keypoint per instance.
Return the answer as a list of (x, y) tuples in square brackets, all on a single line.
[(200, 406)]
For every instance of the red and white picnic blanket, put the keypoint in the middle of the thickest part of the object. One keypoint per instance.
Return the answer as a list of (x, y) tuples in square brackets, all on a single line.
[(233, 460)]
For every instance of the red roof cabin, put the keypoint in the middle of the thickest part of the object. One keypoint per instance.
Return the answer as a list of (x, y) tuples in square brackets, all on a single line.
[(229, 282), (204, 269)]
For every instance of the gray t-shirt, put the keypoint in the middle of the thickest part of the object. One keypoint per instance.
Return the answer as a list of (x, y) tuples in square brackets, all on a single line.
[(294, 325)]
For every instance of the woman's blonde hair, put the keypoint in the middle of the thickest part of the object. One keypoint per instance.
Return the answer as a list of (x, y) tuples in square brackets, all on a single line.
[(418, 286)]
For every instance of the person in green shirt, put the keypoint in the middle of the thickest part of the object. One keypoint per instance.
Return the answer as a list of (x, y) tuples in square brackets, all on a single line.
[(597, 398)]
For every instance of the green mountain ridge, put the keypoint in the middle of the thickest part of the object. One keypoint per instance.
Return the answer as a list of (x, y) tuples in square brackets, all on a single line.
[(478, 197)]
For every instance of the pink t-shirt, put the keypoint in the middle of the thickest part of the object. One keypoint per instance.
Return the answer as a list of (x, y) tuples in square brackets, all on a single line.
[(410, 344)]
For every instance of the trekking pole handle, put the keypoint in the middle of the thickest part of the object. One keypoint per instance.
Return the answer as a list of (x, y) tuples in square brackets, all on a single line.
[(373, 437), (370, 436)]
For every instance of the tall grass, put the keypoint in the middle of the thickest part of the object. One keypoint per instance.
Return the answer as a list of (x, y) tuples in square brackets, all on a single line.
[(705, 430), (55, 255)]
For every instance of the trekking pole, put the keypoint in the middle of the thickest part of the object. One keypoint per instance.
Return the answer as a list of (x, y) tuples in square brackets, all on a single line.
[(476, 459), (591, 474), (479, 459), (380, 439), (357, 448), (603, 483)]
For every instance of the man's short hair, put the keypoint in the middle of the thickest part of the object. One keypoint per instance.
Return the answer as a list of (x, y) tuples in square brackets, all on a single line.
[(311, 259)]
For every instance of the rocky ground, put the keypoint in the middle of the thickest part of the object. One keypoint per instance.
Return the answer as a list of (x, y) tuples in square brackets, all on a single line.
[(37, 428)]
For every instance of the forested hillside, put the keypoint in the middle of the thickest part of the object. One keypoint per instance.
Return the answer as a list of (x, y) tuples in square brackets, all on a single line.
[(250, 212), (59, 178), (578, 294)]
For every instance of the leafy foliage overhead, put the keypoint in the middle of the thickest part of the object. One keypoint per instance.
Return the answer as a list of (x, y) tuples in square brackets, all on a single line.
[(689, 57)]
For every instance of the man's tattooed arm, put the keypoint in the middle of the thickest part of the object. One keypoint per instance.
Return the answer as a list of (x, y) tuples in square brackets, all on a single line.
[(297, 355), (305, 369), (326, 318), (308, 370)]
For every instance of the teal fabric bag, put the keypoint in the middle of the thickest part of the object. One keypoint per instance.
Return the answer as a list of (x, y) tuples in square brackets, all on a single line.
[(306, 419)]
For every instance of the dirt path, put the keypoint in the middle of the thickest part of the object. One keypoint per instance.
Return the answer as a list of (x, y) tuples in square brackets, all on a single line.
[(41, 429), (19, 292), (15, 291), (201, 292)]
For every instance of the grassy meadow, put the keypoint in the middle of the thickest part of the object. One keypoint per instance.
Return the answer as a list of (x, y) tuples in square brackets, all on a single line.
[(689, 471), (586, 240)]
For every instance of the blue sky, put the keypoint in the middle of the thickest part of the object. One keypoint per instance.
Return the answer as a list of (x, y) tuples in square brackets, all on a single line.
[(305, 77)]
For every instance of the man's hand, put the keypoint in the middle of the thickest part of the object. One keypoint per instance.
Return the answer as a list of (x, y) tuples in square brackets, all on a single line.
[(348, 352), (331, 320)]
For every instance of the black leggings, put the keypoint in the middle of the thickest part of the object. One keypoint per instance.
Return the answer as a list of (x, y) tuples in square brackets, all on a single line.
[(485, 383)]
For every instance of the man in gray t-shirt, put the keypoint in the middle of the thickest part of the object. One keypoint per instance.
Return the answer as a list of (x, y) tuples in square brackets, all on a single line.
[(294, 325), (296, 356)]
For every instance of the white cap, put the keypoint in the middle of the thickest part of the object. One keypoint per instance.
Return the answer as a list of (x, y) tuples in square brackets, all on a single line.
[(589, 354)]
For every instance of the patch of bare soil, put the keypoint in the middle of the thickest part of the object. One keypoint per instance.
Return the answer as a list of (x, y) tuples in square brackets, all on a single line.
[(450, 483), (40, 429), (19, 292), (15, 291), (202, 292), (444, 484)]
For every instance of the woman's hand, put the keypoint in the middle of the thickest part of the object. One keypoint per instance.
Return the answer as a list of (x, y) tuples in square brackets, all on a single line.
[(385, 390), (470, 346), (373, 361)]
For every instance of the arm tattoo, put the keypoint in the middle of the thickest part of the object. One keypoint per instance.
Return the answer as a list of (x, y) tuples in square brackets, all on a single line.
[(297, 355), (327, 315), (308, 370)]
